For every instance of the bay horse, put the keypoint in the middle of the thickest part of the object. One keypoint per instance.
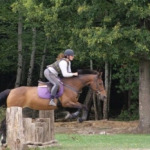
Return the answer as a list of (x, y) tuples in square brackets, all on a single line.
[(26, 96)]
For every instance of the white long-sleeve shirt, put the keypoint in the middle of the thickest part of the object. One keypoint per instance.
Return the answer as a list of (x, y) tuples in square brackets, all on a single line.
[(64, 67)]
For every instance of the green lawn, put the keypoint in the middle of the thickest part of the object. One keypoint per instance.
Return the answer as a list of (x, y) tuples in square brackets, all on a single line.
[(102, 142)]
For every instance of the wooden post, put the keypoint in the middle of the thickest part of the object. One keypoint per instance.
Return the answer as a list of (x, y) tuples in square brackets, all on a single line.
[(48, 114), (15, 135)]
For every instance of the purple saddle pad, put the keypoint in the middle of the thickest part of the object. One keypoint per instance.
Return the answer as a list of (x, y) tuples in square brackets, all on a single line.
[(44, 93)]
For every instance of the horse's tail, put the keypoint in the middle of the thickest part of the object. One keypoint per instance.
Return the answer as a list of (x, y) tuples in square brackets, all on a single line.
[(3, 96), (3, 131)]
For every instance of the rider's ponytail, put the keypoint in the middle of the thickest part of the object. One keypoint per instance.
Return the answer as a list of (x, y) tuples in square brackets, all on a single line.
[(60, 56)]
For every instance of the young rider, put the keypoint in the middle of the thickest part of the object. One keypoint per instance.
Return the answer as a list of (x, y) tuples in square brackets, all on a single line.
[(62, 66)]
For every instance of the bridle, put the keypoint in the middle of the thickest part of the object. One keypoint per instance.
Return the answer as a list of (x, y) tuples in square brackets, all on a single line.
[(97, 85)]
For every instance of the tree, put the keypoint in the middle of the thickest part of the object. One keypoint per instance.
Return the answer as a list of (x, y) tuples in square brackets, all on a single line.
[(43, 59), (31, 67), (108, 88), (133, 17), (20, 58), (29, 11), (8, 38)]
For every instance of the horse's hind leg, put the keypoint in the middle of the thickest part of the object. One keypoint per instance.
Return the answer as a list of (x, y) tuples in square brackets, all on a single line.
[(72, 115), (80, 107)]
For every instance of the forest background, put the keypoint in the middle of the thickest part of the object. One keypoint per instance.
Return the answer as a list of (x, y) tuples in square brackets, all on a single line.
[(108, 35)]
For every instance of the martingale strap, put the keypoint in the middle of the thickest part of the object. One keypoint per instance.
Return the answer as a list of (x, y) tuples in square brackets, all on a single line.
[(70, 87)]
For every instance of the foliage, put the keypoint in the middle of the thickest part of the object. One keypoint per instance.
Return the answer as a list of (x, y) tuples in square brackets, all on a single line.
[(131, 114), (94, 29), (127, 74), (8, 38), (105, 33)]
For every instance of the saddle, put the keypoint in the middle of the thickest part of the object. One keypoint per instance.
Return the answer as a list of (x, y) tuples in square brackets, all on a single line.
[(45, 84), (44, 89)]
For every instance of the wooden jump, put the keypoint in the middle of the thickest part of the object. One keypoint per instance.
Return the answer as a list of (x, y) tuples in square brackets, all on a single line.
[(25, 133)]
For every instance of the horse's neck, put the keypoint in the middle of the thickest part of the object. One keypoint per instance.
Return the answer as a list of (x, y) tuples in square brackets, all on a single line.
[(75, 82), (79, 81), (86, 79)]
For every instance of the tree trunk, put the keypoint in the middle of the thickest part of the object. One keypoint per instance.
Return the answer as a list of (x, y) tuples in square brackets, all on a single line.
[(95, 106), (99, 108), (107, 87), (43, 60), (23, 75), (29, 80), (144, 96), (91, 64), (19, 69)]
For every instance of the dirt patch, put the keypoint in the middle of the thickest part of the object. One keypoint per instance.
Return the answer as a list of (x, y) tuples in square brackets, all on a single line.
[(97, 127)]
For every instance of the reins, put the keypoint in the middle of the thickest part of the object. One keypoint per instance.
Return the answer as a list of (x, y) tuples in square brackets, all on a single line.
[(84, 84), (70, 87)]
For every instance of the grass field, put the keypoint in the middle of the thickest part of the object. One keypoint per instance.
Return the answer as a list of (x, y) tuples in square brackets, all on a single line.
[(102, 142)]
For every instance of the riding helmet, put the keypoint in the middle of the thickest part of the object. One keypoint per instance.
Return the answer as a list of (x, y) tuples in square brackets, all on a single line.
[(69, 52)]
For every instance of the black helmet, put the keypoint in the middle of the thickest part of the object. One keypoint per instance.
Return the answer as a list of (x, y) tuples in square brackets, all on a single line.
[(69, 52)]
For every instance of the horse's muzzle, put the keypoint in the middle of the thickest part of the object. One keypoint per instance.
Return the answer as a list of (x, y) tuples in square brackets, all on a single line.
[(102, 97)]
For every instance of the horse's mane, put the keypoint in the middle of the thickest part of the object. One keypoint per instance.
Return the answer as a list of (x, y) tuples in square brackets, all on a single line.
[(86, 71)]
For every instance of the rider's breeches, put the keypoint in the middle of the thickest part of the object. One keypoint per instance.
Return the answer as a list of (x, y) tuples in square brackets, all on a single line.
[(52, 79)]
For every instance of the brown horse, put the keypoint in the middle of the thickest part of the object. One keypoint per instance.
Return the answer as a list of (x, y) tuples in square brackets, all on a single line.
[(27, 96)]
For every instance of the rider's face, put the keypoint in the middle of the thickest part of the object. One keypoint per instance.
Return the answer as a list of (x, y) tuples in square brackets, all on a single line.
[(71, 58)]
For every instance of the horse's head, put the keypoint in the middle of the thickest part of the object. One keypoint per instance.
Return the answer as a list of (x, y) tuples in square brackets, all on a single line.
[(94, 79), (98, 86)]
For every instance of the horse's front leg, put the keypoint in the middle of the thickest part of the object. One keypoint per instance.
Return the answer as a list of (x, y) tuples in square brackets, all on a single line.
[(72, 115), (84, 114)]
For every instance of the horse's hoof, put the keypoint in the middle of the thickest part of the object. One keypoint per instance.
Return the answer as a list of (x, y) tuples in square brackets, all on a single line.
[(80, 120), (68, 116), (4, 145)]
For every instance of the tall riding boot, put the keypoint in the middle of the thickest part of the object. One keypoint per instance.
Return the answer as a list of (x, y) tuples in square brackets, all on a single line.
[(52, 103)]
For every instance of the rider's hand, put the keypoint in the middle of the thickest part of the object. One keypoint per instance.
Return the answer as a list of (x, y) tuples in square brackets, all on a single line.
[(75, 73)]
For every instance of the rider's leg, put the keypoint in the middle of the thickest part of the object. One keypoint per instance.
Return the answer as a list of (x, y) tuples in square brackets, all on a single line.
[(53, 79), (54, 89)]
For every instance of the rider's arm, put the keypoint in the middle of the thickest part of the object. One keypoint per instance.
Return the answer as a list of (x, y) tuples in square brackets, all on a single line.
[(69, 66), (63, 67)]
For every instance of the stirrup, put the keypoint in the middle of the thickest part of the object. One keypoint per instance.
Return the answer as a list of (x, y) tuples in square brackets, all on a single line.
[(52, 103)]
